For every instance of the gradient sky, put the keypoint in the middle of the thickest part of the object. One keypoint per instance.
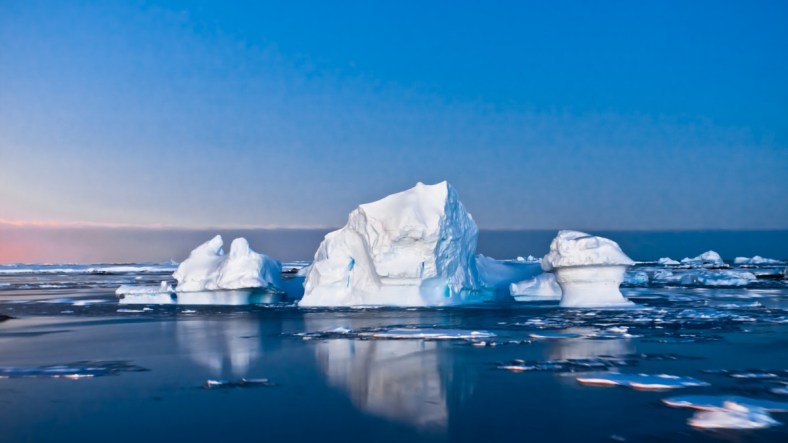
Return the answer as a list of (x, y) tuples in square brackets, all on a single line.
[(592, 115)]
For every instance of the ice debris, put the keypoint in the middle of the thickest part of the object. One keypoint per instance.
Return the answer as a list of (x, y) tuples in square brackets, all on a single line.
[(412, 248), (658, 382), (71, 371), (756, 261), (733, 416), (241, 383), (589, 269)]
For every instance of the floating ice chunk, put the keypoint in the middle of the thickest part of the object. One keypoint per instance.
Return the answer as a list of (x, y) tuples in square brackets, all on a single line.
[(553, 335), (711, 402), (638, 278), (413, 248), (163, 288), (589, 269), (755, 261), (658, 382), (708, 259), (733, 416), (73, 371), (717, 278), (499, 274), (667, 261), (207, 268), (543, 285), (242, 383), (432, 334)]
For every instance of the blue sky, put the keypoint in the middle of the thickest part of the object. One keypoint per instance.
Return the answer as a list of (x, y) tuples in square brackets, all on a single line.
[(591, 115)]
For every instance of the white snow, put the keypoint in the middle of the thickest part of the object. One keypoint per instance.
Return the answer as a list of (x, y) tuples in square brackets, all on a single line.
[(208, 268), (589, 269), (757, 260), (733, 416), (707, 259), (543, 285), (412, 248)]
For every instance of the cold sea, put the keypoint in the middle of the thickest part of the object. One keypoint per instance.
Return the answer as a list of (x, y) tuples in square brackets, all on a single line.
[(77, 365)]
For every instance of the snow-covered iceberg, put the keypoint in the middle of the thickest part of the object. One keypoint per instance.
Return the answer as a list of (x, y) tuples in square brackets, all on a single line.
[(413, 248), (756, 261), (208, 268), (708, 259), (589, 269)]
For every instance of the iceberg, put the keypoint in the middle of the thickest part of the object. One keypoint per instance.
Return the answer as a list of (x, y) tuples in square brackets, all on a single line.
[(588, 269), (756, 261), (708, 259), (543, 285), (667, 261), (412, 248), (208, 268)]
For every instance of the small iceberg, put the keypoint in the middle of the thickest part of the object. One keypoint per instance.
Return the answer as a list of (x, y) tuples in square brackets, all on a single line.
[(667, 261), (588, 269), (756, 261), (708, 259), (412, 248), (646, 382), (209, 277)]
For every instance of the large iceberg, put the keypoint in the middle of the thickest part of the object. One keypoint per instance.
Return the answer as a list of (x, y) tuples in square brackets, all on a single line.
[(589, 269), (208, 268), (413, 248)]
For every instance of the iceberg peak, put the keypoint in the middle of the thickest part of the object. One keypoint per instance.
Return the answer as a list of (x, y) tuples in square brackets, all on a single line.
[(412, 248)]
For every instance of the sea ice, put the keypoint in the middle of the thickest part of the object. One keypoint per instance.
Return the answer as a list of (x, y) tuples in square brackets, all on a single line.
[(658, 382), (208, 268), (589, 269), (543, 285), (432, 334), (711, 402), (412, 248), (733, 416), (638, 278)]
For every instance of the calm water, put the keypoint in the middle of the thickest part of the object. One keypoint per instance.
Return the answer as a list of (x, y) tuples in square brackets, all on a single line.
[(329, 379)]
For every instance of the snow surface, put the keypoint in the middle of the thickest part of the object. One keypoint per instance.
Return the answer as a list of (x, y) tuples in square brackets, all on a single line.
[(208, 268), (575, 248), (543, 285), (412, 248)]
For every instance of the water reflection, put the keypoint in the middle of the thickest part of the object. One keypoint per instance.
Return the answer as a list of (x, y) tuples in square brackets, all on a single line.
[(396, 379), (578, 348), (227, 348)]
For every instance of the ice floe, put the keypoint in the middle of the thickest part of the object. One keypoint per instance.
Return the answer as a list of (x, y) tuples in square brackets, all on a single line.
[(412, 248), (709, 259), (73, 371), (588, 268), (657, 382), (733, 416), (756, 261), (241, 383)]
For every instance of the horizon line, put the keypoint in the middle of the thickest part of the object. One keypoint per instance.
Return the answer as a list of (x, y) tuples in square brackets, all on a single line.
[(52, 224)]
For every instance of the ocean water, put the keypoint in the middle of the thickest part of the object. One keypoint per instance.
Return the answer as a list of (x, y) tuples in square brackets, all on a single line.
[(75, 365)]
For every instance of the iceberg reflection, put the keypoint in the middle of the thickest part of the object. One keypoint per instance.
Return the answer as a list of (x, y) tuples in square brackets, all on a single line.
[(399, 380), (227, 348)]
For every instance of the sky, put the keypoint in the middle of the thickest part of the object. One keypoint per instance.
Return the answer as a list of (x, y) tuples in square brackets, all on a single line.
[(650, 115)]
